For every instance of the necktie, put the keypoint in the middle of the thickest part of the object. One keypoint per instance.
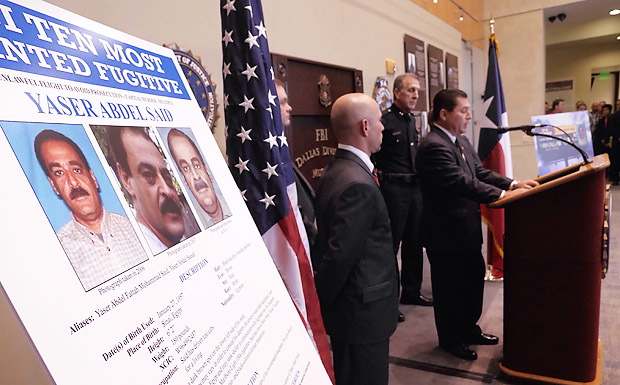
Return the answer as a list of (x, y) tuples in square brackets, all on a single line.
[(412, 136), (456, 142), (468, 168), (374, 175)]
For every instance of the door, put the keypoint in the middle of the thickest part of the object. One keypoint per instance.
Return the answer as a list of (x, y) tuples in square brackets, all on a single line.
[(312, 90)]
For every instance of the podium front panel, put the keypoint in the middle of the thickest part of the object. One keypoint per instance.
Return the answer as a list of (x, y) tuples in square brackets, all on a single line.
[(552, 272)]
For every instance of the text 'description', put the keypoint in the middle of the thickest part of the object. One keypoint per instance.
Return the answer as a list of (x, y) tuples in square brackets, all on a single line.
[(187, 274)]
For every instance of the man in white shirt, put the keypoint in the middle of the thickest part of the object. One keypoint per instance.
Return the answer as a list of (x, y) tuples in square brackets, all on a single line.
[(99, 244)]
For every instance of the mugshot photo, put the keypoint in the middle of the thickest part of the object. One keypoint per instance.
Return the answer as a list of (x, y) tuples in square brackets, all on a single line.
[(79, 201), (147, 180), (196, 175)]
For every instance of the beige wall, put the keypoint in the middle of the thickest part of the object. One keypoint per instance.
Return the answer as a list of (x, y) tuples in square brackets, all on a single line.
[(502, 8), (522, 62), (560, 33), (354, 33), (577, 61)]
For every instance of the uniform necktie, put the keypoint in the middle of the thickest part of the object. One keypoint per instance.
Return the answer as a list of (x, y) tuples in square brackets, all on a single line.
[(412, 136)]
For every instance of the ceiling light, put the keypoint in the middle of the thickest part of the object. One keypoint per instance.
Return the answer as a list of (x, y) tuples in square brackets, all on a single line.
[(614, 12), (461, 18), (435, 1), (618, 38)]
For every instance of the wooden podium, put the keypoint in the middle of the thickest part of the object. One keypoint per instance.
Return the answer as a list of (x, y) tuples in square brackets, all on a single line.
[(552, 276)]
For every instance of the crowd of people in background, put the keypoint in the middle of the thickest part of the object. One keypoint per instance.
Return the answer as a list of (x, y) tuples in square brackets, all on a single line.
[(605, 127)]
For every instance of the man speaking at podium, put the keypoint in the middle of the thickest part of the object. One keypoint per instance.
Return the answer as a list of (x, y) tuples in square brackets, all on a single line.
[(454, 184)]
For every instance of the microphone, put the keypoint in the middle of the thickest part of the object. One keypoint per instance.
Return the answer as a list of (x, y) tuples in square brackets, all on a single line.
[(528, 131), (527, 127)]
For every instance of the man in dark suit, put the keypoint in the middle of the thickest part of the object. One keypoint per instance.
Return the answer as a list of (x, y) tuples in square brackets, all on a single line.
[(357, 278), (454, 184), (608, 128), (601, 140)]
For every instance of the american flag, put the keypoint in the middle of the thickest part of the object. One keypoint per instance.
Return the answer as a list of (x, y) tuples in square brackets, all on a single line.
[(494, 150), (259, 159)]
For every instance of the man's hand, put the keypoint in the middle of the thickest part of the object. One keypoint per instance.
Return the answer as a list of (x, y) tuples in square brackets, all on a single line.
[(517, 191), (526, 184)]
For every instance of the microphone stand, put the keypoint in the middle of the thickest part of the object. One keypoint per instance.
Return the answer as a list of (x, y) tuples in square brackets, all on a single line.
[(529, 132)]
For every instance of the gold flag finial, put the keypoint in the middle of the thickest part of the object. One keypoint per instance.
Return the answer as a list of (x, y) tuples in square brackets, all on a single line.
[(492, 26)]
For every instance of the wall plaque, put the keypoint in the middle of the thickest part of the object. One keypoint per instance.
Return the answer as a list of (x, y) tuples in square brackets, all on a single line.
[(436, 77), (452, 71), (415, 62)]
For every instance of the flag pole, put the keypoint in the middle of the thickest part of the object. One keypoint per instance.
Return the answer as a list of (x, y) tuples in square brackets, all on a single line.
[(494, 151)]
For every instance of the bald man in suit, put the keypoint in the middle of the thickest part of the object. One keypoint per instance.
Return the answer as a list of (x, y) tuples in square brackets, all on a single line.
[(357, 278)]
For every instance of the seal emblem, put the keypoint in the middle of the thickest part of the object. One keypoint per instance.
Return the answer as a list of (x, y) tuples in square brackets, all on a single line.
[(200, 82), (381, 93), (325, 94)]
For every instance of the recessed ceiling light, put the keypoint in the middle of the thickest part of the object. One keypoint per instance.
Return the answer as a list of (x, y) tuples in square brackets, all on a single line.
[(614, 12)]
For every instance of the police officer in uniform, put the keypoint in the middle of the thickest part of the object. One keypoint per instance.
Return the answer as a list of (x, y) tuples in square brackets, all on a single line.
[(395, 164)]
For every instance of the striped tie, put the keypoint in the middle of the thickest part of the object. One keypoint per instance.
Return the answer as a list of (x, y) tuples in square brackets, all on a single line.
[(374, 175)]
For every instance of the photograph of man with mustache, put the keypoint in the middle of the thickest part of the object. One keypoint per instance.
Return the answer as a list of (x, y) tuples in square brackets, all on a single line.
[(99, 244), (191, 165), (144, 173)]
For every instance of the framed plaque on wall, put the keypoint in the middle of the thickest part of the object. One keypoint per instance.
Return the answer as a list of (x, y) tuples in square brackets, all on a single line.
[(415, 62), (436, 74), (452, 71)]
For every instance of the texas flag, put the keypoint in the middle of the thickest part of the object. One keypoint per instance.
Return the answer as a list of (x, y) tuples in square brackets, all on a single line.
[(494, 150)]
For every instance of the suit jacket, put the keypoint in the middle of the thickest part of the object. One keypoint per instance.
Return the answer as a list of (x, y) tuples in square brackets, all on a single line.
[(305, 202), (601, 135), (613, 128), (453, 189), (357, 278)]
